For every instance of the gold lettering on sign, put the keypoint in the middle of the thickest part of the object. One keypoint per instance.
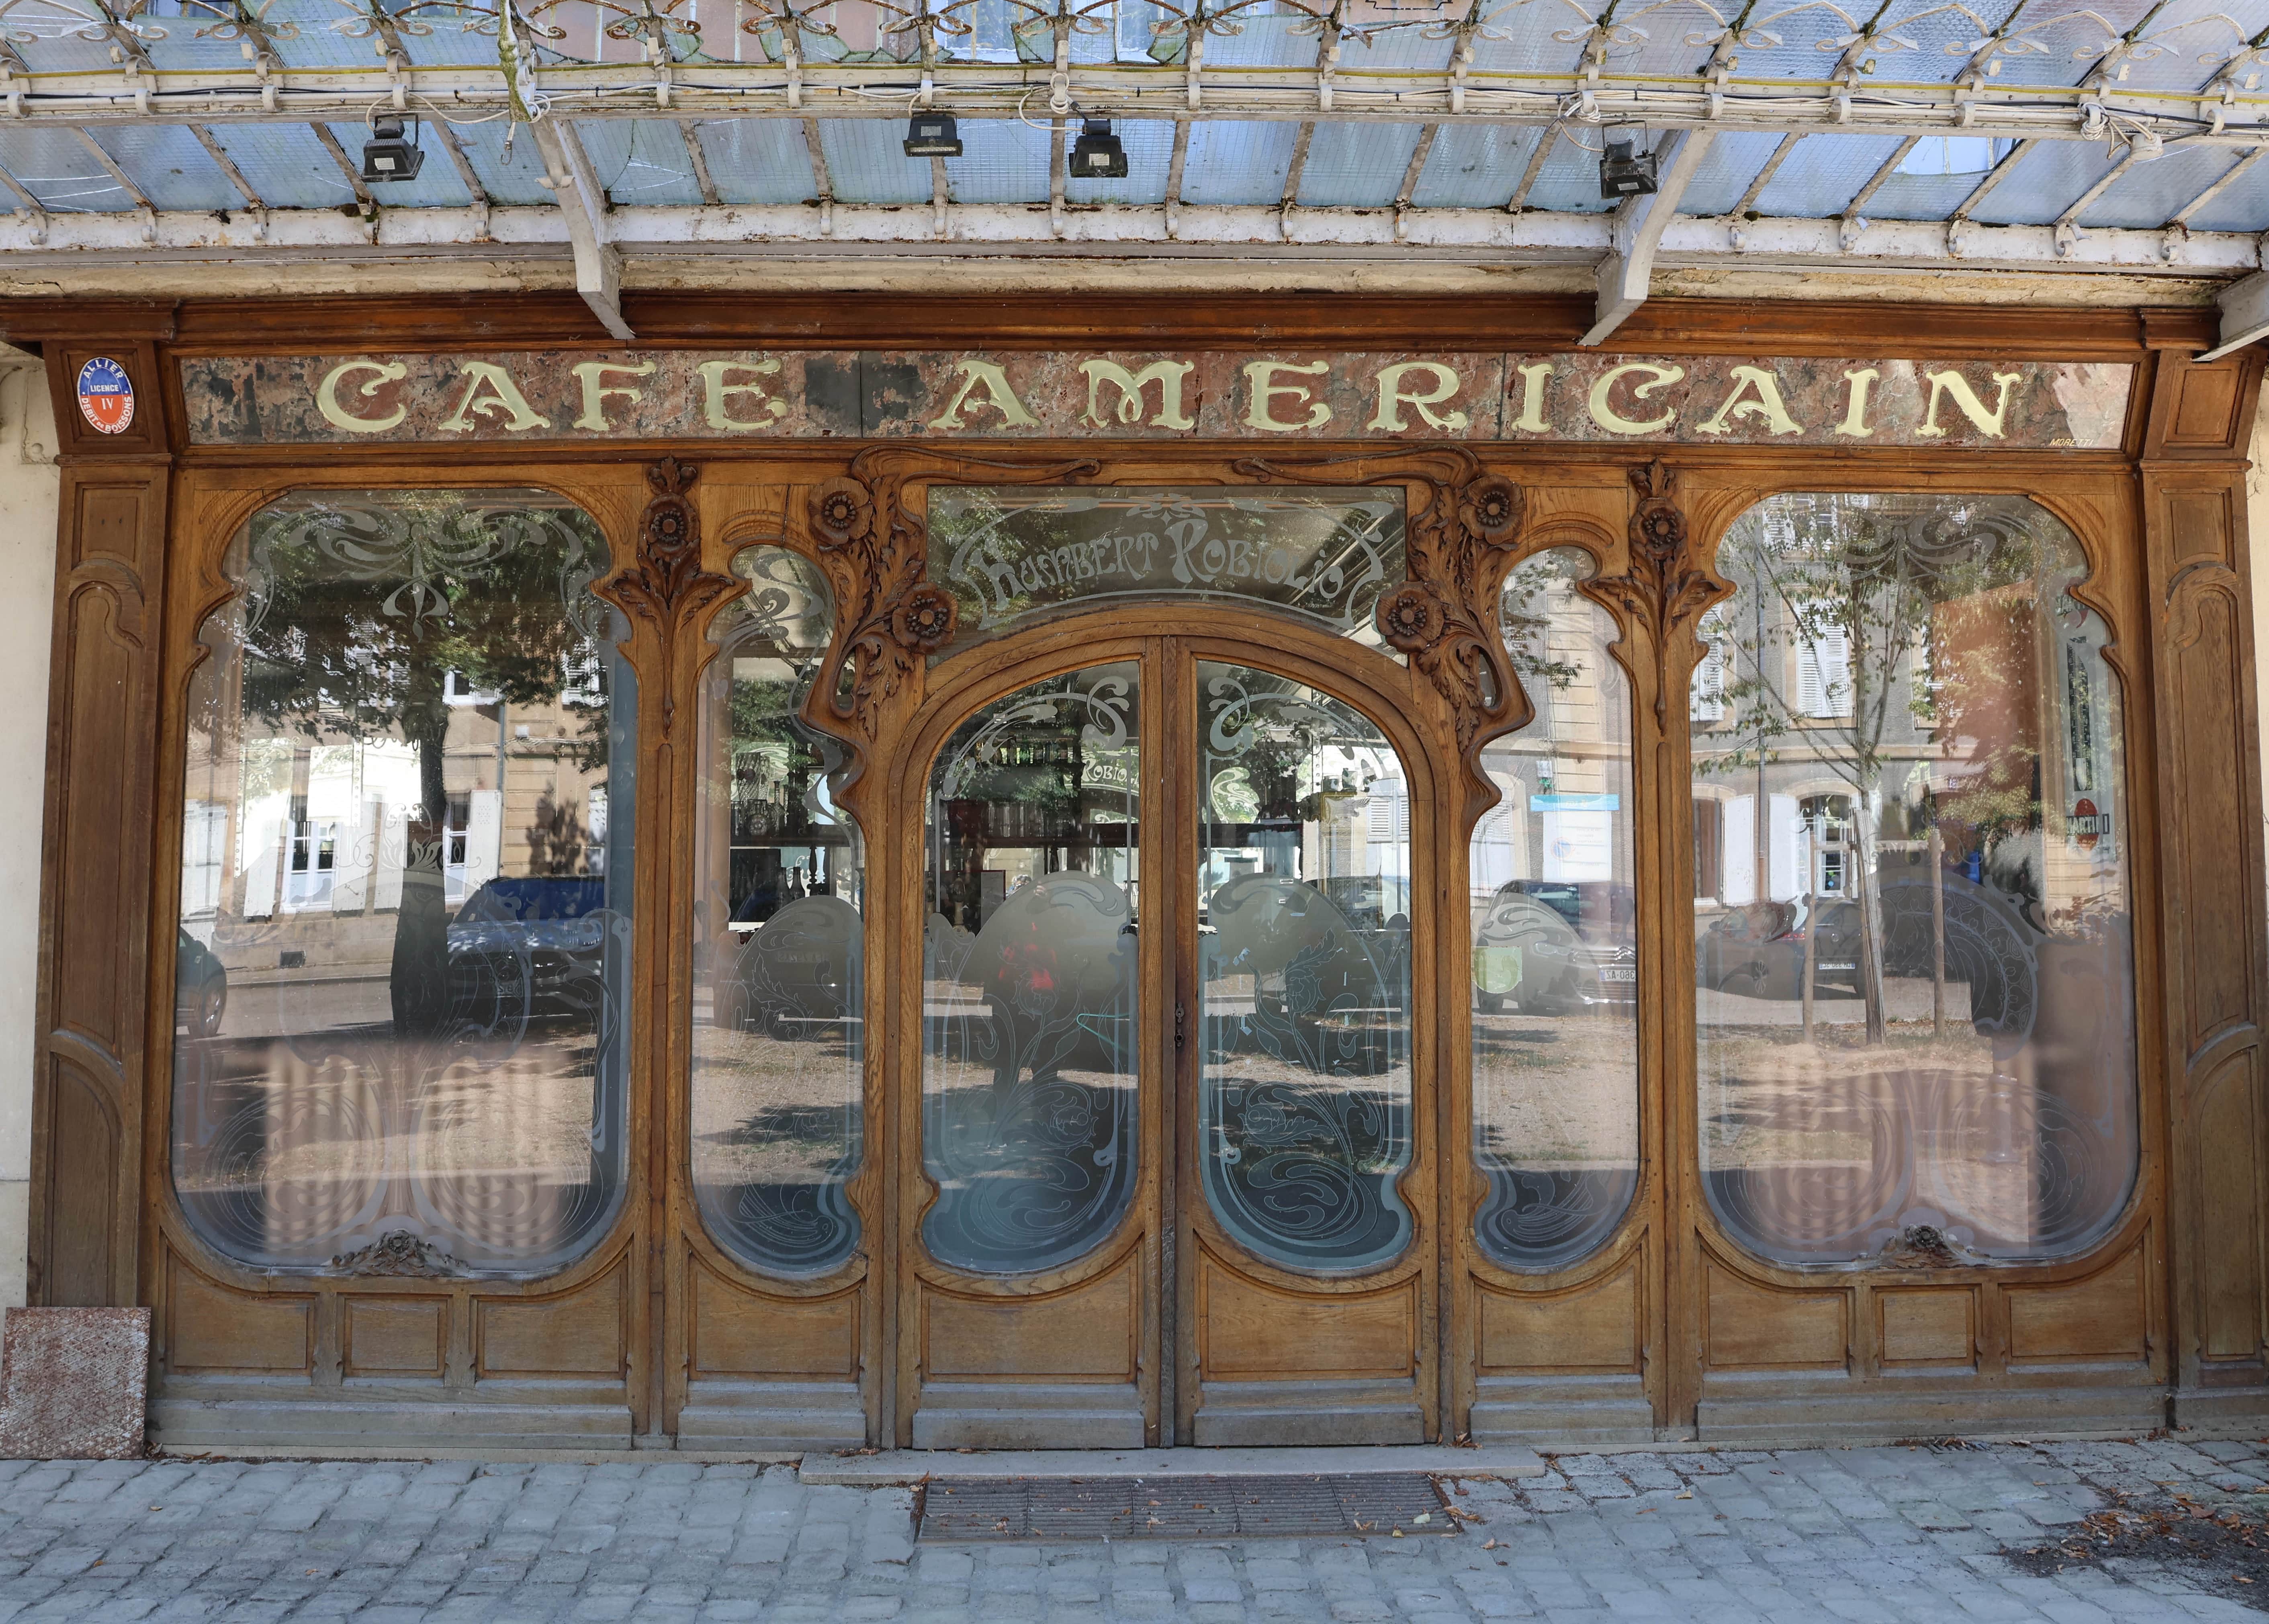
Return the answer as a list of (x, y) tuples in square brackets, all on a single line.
[(1260, 382), (1608, 418), (1752, 381), (716, 393), (997, 397), (1168, 375), (593, 375), (1965, 399), (327, 396), (504, 396), (1855, 419), (1393, 396), (1532, 379)]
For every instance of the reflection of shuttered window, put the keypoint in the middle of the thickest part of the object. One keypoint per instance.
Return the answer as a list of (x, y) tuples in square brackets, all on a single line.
[(1706, 703), (1823, 668)]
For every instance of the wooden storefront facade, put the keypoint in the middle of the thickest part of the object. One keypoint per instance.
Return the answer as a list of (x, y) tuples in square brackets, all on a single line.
[(1163, 1320)]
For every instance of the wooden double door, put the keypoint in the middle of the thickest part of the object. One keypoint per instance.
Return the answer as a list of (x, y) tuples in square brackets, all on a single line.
[(1165, 1047)]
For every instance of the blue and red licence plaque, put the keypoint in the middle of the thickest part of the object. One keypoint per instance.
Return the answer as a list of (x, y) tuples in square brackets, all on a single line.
[(106, 395)]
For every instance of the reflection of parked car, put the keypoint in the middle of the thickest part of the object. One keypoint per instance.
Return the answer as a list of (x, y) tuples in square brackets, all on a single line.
[(1553, 947), (557, 924), (200, 988), (1324, 995), (1757, 950), (798, 976)]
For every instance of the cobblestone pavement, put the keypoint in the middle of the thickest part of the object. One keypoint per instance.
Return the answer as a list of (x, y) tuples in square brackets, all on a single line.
[(1723, 1536)]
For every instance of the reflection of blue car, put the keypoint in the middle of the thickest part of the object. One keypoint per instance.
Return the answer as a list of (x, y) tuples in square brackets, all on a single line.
[(549, 931)]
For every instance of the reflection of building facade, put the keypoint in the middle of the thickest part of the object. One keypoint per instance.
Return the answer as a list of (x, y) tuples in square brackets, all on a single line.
[(762, 893)]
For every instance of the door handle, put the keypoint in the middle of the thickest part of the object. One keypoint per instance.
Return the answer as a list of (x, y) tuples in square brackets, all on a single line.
[(1179, 1025)]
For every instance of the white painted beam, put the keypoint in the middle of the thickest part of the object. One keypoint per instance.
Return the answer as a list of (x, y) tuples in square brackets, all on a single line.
[(2244, 315), (1244, 235), (1638, 226), (583, 205)]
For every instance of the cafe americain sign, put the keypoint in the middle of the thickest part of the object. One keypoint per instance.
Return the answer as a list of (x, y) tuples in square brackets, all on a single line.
[(755, 395)]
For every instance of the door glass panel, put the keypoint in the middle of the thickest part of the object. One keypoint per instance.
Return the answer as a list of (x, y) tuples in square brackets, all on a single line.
[(1916, 1009), (1554, 936), (1304, 892), (778, 1033), (1325, 553), (403, 956), (1029, 1002)]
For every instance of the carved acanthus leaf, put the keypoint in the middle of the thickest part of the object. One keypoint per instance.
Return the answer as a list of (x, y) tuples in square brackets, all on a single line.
[(1437, 618), (1924, 1247), (875, 551), (400, 1254), (1663, 585), (667, 585)]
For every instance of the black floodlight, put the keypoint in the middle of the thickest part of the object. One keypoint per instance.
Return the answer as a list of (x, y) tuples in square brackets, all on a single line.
[(388, 155), (932, 135), (1621, 176), (1097, 154)]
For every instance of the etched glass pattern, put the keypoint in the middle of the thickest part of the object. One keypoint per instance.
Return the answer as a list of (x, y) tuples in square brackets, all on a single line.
[(1303, 946), (402, 961), (1325, 553), (778, 939), (1914, 998), (1554, 936), (1030, 1005)]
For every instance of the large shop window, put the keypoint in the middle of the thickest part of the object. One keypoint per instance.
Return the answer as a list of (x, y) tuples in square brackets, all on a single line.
[(1916, 995), (405, 921), (1554, 936), (778, 1028)]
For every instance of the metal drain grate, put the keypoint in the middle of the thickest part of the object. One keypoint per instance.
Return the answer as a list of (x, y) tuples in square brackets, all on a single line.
[(956, 1510)]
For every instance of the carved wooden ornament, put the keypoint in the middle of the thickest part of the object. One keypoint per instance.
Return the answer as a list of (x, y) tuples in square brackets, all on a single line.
[(1663, 585), (875, 549), (665, 586), (1437, 617)]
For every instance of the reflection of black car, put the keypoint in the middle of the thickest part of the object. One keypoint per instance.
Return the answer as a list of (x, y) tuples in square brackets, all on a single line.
[(1757, 950), (200, 988), (555, 926), (1553, 947), (798, 974)]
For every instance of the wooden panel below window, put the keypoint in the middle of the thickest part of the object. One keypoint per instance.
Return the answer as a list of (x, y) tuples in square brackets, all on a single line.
[(579, 1333), (2227, 1114), (1926, 1327), (1251, 1331), (1750, 1326), (2101, 1317), (1595, 1327), (396, 1336), (209, 1327), (1087, 1332), (736, 1332)]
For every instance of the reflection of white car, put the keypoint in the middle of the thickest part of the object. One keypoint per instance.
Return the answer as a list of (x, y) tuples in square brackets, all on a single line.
[(544, 932)]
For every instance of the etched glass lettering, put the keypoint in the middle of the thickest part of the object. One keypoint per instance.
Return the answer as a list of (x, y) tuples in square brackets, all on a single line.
[(1010, 552)]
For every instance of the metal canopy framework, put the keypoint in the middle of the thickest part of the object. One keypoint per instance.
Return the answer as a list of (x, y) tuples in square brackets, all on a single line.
[(2120, 136)]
